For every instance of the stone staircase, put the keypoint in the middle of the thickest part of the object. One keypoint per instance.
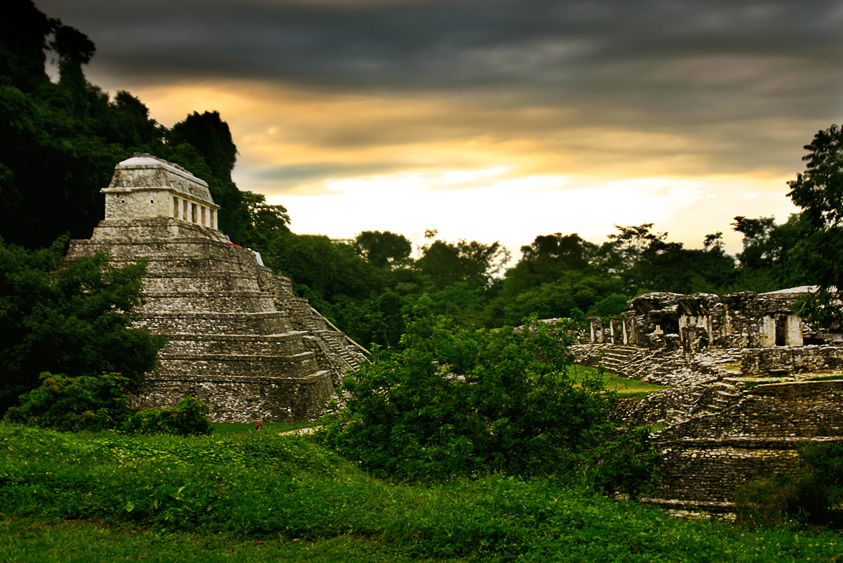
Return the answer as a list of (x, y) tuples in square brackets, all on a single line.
[(715, 398), (620, 360)]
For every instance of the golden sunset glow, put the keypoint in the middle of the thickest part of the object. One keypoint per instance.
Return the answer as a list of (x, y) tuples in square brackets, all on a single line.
[(405, 116)]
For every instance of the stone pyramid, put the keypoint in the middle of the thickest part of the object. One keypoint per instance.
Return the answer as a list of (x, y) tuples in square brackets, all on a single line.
[(238, 337)]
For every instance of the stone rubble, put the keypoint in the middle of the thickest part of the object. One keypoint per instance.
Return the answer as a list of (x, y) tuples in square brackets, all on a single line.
[(749, 383)]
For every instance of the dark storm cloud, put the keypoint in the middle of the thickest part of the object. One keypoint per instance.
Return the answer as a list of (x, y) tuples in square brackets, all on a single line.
[(576, 46), (710, 69)]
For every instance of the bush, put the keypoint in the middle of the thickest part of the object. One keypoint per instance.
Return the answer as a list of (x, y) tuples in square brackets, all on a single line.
[(814, 497), (74, 403), (189, 417), (69, 316), (461, 402), (765, 502), (101, 403), (624, 464)]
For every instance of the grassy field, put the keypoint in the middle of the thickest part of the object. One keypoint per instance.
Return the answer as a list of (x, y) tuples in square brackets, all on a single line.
[(620, 385), (223, 428), (249, 496)]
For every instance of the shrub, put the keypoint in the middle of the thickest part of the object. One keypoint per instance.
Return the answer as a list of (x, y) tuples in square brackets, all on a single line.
[(101, 403), (74, 403), (188, 417), (764, 502), (461, 402), (70, 317), (624, 464), (814, 497)]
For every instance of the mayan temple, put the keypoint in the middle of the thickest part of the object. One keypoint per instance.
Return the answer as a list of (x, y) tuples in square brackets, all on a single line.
[(238, 337)]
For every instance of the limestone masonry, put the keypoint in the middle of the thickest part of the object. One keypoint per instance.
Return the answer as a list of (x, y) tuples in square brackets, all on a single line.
[(749, 383), (238, 337)]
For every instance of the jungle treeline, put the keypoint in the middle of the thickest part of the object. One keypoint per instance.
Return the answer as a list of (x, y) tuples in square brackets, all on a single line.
[(61, 140)]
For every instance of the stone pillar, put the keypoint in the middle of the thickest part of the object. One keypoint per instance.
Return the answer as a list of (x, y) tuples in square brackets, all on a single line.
[(767, 332), (616, 326), (596, 330), (794, 331), (630, 330)]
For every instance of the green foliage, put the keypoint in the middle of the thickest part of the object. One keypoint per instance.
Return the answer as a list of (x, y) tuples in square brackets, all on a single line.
[(382, 248), (765, 502), (624, 464), (460, 402), (74, 403), (61, 141), (101, 403), (819, 192), (188, 418), (814, 497), (68, 317), (771, 254), (210, 136), (474, 262), (250, 496)]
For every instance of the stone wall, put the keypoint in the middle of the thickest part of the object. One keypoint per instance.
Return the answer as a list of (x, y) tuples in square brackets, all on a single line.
[(701, 320), (723, 431), (789, 359), (258, 398), (238, 338), (708, 456)]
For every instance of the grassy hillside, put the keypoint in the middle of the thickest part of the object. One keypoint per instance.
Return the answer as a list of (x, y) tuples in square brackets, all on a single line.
[(263, 497)]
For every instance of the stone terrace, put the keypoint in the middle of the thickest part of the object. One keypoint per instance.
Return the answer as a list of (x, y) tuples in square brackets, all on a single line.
[(238, 337)]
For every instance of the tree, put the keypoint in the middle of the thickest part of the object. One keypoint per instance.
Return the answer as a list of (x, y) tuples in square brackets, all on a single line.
[(208, 134), (547, 259), (819, 192), (68, 317), (633, 241), (23, 37), (463, 402), (473, 262), (383, 248), (770, 260)]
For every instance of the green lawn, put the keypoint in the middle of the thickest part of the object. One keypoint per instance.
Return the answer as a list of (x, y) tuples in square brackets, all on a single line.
[(260, 497), (620, 385), (238, 427)]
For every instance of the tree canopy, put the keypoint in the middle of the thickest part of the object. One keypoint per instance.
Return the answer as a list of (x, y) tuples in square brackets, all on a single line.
[(819, 192), (464, 402), (68, 317)]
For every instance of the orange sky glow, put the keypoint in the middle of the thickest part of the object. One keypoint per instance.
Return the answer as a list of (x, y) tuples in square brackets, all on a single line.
[(490, 121)]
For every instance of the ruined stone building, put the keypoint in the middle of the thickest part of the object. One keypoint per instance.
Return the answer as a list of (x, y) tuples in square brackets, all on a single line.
[(237, 336), (749, 383), (695, 323)]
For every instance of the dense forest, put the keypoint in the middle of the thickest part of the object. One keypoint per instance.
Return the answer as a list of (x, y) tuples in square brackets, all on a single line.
[(61, 141)]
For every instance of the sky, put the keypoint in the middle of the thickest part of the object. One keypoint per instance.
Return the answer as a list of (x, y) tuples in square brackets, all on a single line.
[(492, 120)]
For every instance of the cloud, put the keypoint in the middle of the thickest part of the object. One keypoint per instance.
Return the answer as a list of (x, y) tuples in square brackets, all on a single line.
[(569, 98)]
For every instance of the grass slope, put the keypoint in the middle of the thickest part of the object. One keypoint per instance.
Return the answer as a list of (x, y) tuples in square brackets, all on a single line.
[(263, 497), (623, 386)]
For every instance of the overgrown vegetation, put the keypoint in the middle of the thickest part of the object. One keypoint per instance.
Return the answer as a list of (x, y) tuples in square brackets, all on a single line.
[(101, 403), (265, 495), (68, 317), (510, 447), (812, 498), (455, 402), (62, 140)]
